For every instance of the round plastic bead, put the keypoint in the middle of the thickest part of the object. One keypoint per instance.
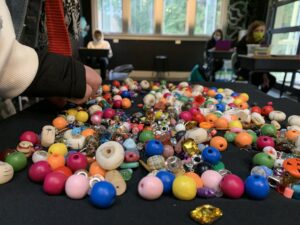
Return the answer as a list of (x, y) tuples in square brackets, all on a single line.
[(103, 194), (150, 187), (184, 188), (257, 187), (211, 155), (154, 147), (232, 186)]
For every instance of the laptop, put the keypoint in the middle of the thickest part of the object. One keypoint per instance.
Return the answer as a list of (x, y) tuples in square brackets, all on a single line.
[(87, 52), (223, 45)]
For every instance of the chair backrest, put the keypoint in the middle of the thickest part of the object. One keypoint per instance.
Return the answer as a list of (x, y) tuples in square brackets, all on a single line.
[(234, 57)]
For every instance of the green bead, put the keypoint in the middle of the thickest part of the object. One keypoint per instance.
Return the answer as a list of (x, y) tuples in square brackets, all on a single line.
[(146, 135), (219, 166), (268, 130), (183, 98), (254, 136), (130, 165), (263, 159), (17, 160), (126, 174), (230, 136)]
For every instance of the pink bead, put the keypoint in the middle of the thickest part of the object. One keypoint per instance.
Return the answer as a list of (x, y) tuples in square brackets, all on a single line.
[(194, 110), (150, 187), (77, 186), (186, 116), (96, 119), (29, 136), (117, 97), (77, 161), (264, 141), (232, 186), (98, 113), (109, 113), (54, 183), (211, 179), (168, 151), (38, 171)]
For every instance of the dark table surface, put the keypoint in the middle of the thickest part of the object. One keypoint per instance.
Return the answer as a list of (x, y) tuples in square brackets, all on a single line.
[(23, 202)]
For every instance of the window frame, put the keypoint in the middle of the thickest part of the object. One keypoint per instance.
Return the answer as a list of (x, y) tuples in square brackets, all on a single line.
[(157, 22), (273, 5)]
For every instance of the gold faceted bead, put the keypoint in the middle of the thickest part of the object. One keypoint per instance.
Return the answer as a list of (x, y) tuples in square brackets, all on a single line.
[(190, 147), (206, 214)]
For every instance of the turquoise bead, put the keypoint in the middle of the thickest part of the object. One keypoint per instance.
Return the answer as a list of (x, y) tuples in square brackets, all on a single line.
[(219, 166), (126, 174), (130, 165)]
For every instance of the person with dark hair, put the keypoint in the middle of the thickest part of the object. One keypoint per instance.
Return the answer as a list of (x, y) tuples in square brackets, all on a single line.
[(255, 35), (100, 43), (37, 63), (214, 64)]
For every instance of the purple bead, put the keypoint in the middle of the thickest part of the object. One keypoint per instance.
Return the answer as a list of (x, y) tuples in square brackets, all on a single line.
[(206, 192)]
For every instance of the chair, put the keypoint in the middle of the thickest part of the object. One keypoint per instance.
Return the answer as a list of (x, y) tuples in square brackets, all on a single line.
[(161, 65)]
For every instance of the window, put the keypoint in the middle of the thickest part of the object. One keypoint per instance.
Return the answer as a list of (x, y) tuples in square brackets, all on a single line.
[(284, 20), (208, 16), (159, 17), (285, 43), (174, 21), (288, 15), (110, 17), (141, 21)]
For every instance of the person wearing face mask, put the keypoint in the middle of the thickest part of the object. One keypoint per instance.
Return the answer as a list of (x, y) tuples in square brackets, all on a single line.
[(255, 35), (100, 43), (214, 64)]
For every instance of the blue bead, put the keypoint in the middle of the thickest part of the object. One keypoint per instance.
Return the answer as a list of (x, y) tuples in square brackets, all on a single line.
[(125, 94), (219, 96), (167, 179), (214, 88), (211, 155), (154, 147), (220, 107), (296, 189), (257, 187), (103, 194), (234, 94)]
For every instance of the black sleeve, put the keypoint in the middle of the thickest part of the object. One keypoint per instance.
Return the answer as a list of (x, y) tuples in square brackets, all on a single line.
[(241, 47), (210, 44)]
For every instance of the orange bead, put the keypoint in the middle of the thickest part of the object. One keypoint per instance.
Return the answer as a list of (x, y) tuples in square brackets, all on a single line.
[(243, 140), (196, 178), (243, 105), (95, 169), (211, 93), (206, 125), (219, 143), (56, 160), (60, 123), (211, 117), (221, 124), (105, 88), (126, 103), (88, 132), (64, 170), (291, 135)]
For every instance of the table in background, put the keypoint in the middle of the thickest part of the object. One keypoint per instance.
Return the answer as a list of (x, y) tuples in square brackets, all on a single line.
[(23, 202), (270, 64), (218, 54)]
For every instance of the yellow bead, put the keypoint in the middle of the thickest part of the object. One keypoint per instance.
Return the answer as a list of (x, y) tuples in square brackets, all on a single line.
[(58, 148), (220, 90), (72, 112), (158, 115), (244, 97), (235, 124), (82, 116), (237, 101), (184, 188)]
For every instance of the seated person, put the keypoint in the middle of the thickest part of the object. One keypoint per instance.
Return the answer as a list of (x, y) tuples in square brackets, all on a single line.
[(214, 64), (100, 43), (255, 35), (50, 71)]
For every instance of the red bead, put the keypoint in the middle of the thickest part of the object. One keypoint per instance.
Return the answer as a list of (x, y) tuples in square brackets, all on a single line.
[(54, 183)]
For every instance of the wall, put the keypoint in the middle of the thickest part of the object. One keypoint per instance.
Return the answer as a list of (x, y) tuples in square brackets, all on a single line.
[(140, 53)]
